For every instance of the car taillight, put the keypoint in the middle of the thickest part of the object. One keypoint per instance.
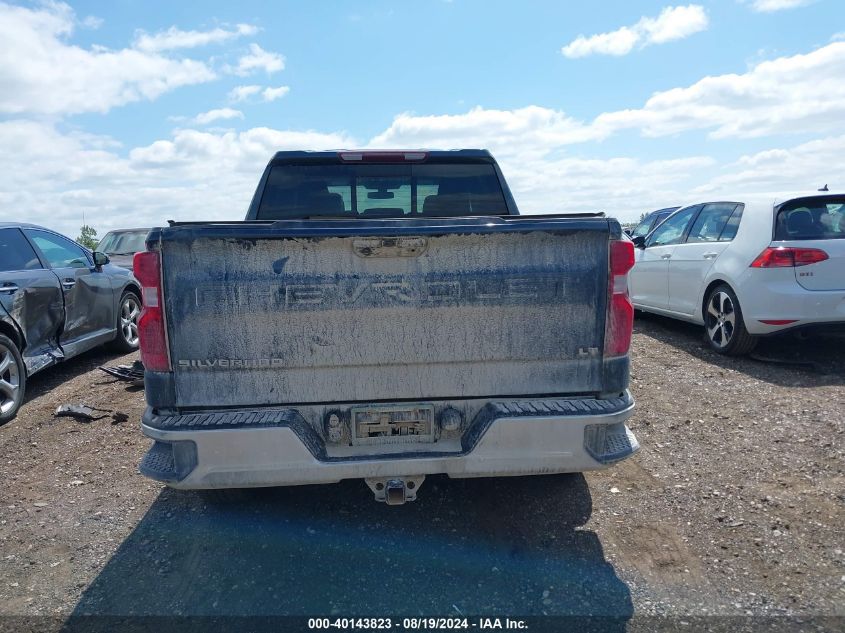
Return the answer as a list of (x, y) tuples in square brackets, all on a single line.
[(619, 321), (151, 336), (788, 257)]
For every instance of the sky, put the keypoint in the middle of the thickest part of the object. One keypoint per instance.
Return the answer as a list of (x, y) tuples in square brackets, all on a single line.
[(129, 113)]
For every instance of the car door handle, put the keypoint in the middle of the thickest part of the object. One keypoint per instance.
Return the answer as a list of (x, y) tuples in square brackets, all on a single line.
[(10, 288), (711, 255), (67, 284), (667, 256)]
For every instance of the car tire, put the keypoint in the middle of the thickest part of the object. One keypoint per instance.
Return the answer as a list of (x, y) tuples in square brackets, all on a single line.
[(724, 327), (12, 379), (128, 310)]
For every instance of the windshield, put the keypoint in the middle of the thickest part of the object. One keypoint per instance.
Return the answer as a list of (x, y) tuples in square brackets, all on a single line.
[(123, 242), (817, 218), (378, 190), (651, 220), (642, 228)]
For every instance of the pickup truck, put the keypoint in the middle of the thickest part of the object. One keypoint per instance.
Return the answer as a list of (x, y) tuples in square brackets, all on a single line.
[(384, 315)]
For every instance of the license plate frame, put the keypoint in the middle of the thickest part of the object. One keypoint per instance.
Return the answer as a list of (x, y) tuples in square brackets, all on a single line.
[(382, 424)]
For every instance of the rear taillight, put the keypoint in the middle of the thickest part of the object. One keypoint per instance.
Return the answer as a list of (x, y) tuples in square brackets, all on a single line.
[(620, 311), (151, 336), (788, 257)]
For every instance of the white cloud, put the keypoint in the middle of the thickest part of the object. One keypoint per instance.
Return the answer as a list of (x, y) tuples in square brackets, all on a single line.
[(198, 175), (92, 22), (530, 130), (767, 6), (802, 93), (528, 143), (271, 94), (41, 73), (174, 38), (187, 153), (259, 59), (623, 187), (673, 23), (51, 177), (784, 171), (619, 42), (220, 114), (242, 93), (239, 94)]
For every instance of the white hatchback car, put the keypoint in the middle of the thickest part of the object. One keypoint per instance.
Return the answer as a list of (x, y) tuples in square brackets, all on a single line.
[(746, 269)]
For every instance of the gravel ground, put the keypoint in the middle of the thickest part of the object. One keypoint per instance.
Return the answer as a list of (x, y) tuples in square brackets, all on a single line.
[(734, 506)]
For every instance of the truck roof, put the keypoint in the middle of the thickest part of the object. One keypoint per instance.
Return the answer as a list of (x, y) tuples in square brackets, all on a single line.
[(386, 155)]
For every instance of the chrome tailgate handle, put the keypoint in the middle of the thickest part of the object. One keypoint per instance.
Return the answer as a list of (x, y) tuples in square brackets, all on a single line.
[(389, 246)]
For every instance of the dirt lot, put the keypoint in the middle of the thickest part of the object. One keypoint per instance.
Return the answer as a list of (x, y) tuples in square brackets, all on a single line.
[(735, 505)]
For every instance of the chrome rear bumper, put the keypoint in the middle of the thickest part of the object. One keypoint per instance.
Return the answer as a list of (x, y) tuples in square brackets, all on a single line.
[(277, 447)]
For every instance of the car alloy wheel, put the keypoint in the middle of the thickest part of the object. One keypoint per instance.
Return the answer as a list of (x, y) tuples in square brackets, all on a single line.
[(10, 379), (130, 309), (720, 319)]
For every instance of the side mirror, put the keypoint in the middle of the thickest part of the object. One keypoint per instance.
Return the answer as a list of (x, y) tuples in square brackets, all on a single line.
[(639, 241), (100, 259)]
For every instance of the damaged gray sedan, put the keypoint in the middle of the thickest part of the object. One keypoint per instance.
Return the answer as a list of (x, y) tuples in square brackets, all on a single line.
[(57, 300)]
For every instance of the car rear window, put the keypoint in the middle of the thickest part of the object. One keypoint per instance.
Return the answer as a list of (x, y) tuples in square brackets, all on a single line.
[(15, 252), (123, 242), (816, 218), (381, 190)]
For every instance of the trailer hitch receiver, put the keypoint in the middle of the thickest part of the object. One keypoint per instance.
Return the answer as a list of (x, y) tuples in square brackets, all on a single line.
[(395, 491)]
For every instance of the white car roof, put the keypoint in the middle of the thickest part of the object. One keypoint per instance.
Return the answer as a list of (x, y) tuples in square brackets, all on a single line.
[(811, 194), (761, 200)]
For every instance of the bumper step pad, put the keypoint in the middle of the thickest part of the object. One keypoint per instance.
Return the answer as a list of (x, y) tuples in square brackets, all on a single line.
[(609, 443), (169, 461)]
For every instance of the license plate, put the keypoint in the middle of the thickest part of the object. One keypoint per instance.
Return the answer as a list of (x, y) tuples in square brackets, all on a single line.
[(393, 424)]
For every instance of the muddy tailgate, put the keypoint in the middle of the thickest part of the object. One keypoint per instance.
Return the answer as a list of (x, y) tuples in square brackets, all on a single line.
[(305, 312)]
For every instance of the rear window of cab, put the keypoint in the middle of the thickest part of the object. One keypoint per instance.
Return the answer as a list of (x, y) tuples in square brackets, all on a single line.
[(381, 190), (816, 218)]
